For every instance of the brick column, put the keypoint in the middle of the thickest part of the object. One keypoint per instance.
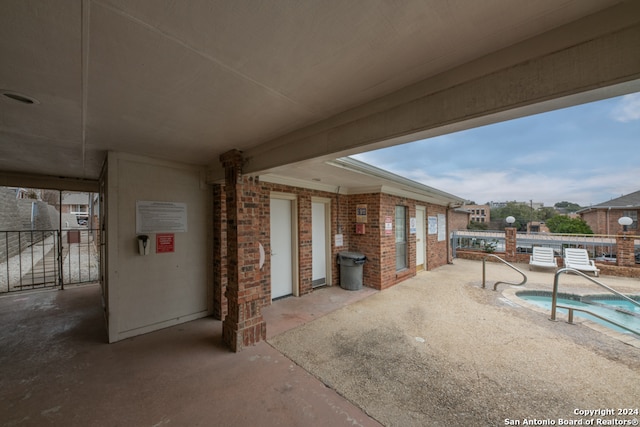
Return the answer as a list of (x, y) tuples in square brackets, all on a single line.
[(625, 256), (510, 244), (243, 326), (219, 252)]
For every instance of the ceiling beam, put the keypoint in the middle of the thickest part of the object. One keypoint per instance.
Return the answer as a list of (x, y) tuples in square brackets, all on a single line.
[(15, 179)]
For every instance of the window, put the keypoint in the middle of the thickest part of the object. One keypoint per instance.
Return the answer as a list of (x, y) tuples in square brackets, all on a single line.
[(634, 216), (401, 237)]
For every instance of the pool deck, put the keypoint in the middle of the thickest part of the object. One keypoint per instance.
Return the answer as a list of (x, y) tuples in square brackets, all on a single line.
[(439, 350)]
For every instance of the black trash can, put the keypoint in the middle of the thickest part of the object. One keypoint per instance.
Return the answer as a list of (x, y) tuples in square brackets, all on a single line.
[(351, 270)]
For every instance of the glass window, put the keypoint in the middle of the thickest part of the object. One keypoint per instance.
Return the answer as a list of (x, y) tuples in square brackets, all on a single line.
[(401, 237)]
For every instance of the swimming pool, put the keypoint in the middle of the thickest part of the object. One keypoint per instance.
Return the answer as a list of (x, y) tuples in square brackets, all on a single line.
[(616, 302), (615, 309)]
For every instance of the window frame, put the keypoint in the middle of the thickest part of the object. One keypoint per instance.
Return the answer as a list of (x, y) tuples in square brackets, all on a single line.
[(401, 238)]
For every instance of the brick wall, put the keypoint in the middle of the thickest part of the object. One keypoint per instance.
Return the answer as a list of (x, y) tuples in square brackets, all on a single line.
[(604, 221), (370, 243), (380, 248), (379, 271), (219, 262), (458, 220), (15, 215), (437, 251), (304, 205)]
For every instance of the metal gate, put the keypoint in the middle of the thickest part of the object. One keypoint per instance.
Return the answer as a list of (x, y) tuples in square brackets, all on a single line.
[(40, 259)]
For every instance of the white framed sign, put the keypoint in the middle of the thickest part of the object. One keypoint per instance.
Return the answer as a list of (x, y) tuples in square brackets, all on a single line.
[(442, 227), (433, 225), (160, 217)]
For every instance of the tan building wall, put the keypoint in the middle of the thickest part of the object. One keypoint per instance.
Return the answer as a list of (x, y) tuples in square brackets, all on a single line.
[(479, 213)]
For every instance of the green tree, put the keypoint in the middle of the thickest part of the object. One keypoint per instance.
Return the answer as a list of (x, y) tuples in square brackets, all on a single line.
[(546, 213), (567, 206), (564, 224), (521, 212), (475, 225)]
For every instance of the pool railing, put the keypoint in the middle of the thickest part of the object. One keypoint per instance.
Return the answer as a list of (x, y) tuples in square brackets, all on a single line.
[(555, 305), (495, 285)]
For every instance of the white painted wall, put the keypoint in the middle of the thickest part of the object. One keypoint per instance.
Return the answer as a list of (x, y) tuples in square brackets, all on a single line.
[(155, 291)]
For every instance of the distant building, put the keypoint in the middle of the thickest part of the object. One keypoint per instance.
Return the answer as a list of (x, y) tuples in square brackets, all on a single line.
[(21, 193), (75, 203), (537, 227), (603, 217), (479, 213)]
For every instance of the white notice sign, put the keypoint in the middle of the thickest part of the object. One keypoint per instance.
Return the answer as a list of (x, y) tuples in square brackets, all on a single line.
[(160, 217), (442, 227)]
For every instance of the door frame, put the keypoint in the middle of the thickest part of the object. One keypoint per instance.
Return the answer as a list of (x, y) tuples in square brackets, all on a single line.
[(295, 282), (327, 237), (422, 209)]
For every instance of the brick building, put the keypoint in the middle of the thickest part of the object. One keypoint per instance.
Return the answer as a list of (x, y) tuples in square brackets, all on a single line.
[(479, 213), (459, 219), (399, 225), (603, 217)]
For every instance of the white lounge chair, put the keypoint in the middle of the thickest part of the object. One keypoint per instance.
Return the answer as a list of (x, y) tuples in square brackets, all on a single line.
[(579, 259), (543, 257)]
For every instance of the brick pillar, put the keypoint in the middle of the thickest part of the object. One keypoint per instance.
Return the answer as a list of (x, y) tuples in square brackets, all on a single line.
[(625, 256), (219, 252), (243, 326), (510, 244)]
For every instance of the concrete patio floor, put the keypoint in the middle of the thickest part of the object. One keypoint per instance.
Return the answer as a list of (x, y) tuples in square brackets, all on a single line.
[(57, 369)]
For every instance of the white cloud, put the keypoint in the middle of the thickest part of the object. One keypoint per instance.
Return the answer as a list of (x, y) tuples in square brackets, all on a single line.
[(628, 109), (486, 185)]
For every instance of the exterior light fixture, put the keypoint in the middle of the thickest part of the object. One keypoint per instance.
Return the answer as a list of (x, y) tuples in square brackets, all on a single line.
[(510, 220), (625, 221)]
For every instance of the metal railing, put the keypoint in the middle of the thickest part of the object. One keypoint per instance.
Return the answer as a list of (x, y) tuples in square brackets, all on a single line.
[(38, 259), (596, 245), (80, 258), (29, 260), (495, 285), (555, 305)]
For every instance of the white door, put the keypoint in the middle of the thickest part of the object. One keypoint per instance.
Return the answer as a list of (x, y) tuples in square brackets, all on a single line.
[(281, 254), (318, 245), (420, 239)]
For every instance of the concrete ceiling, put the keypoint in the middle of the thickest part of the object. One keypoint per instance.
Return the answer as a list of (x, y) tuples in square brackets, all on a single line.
[(187, 80)]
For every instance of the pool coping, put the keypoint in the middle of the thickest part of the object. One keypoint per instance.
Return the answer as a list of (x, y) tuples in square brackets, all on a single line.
[(510, 294)]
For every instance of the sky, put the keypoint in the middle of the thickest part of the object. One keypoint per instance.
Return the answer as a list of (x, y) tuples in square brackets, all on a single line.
[(587, 154)]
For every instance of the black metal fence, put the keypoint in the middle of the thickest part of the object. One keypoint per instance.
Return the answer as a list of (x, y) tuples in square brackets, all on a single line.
[(39, 259)]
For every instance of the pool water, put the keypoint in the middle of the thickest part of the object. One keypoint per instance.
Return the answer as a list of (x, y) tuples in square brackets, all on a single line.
[(629, 316), (619, 303)]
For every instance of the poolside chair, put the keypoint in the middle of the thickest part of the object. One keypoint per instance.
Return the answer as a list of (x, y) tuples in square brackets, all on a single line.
[(579, 259), (543, 257)]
